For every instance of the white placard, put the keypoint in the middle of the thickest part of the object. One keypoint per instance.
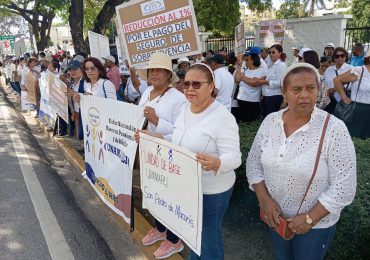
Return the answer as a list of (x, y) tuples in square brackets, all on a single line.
[(172, 188), (99, 45), (26, 105)]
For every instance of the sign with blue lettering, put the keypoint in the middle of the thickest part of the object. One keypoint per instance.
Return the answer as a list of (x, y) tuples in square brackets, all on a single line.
[(172, 188)]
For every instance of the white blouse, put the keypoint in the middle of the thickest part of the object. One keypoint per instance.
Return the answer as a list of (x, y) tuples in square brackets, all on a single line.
[(166, 107), (363, 95), (276, 71), (102, 88), (331, 73), (286, 165), (215, 132)]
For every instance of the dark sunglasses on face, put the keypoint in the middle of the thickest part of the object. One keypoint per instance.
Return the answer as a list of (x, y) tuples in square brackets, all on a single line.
[(337, 56), (194, 84)]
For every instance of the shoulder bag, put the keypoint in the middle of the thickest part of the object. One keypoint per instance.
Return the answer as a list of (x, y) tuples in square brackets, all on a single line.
[(345, 111), (282, 229)]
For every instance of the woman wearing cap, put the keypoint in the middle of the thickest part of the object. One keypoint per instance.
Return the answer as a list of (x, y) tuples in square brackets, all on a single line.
[(281, 162), (340, 57), (198, 129), (359, 78), (162, 104), (271, 89)]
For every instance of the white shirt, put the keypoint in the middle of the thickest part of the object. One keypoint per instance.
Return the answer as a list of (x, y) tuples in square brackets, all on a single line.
[(224, 82), (263, 64), (286, 165), (274, 76), (166, 107), (24, 72), (330, 75), (201, 133), (248, 93), (98, 89), (76, 105), (268, 61), (363, 95), (130, 90)]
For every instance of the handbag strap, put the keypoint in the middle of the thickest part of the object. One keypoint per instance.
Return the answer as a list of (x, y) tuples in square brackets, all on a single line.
[(317, 160), (359, 83)]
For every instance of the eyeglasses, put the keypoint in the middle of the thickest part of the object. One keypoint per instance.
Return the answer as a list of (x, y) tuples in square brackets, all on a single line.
[(337, 56), (271, 52), (90, 69), (194, 84)]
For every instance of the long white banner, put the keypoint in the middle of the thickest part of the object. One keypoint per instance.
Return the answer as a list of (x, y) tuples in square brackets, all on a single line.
[(172, 188), (110, 149)]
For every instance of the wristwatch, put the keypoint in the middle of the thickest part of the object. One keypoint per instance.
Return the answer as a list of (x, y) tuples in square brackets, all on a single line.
[(309, 220)]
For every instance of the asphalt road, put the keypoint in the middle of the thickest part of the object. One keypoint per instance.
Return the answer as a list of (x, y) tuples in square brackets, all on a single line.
[(40, 217)]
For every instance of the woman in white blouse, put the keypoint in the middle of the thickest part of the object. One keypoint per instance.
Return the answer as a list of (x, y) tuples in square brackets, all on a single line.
[(281, 161), (198, 129), (360, 95), (161, 104), (271, 88)]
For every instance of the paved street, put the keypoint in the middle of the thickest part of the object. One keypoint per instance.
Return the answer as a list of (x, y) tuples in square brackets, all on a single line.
[(39, 217)]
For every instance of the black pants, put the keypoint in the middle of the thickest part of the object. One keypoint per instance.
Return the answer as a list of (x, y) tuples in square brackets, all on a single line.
[(271, 104), (331, 107), (249, 111)]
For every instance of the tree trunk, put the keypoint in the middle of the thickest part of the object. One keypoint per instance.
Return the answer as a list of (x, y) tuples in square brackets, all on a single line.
[(105, 15), (76, 18)]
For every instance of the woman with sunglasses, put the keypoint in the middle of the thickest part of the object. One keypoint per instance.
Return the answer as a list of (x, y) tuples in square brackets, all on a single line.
[(161, 104), (271, 89), (218, 150), (340, 57)]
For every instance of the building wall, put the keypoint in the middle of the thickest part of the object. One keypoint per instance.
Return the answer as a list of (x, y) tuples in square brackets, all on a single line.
[(313, 32)]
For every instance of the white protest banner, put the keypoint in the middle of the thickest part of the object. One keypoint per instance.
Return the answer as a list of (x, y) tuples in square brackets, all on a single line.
[(19, 47), (99, 45), (158, 26), (121, 59), (271, 32), (110, 149), (239, 39), (172, 188), (26, 105), (45, 110), (57, 97)]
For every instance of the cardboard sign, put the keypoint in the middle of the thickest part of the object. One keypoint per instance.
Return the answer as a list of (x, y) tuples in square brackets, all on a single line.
[(110, 149), (239, 39), (121, 59), (58, 99), (30, 84), (99, 45), (158, 26), (271, 32), (172, 188)]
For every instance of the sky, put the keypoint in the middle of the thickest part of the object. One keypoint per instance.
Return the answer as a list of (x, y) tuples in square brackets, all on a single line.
[(276, 3)]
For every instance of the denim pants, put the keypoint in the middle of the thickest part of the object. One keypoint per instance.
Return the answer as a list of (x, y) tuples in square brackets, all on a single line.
[(312, 245), (214, 208)]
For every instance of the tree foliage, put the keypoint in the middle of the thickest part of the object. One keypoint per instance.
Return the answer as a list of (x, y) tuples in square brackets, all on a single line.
[(11, 24), (291, 9), (309, 5)]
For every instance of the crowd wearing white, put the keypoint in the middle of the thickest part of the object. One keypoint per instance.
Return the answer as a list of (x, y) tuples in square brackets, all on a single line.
[(224, 82), (330, 74)]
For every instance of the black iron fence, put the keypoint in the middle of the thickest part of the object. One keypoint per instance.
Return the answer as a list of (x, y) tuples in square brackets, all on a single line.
[(216, 44), (357, 33)]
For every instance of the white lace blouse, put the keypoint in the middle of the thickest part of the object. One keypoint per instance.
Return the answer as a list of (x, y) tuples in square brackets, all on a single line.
[(363, 95), (286, 165)]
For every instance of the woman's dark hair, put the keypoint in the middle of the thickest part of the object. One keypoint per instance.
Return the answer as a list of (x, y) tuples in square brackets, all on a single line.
[(98, 65), (311, 57), (211, 51), (341, 49), (204, 54), (279, 48), (367, 60), (206, 72), (256, 59), (296, 71), (30, 60), (323, 59), (56, 65)]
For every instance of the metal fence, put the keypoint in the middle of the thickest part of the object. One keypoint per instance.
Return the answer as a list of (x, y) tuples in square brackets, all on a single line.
[(357, 33), (216, 44)]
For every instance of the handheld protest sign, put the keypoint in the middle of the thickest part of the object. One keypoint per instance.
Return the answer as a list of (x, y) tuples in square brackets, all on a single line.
[(271, 32), (157, 26)]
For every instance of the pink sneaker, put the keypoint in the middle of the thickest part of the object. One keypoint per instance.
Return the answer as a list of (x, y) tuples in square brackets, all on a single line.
[(167, 249), (153, 236)]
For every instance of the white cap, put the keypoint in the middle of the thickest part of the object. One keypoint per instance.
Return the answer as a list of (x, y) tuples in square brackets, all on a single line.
[(183, 60), (300, 65), (303, 50), (330, 45), (110, 58), (79, 58)]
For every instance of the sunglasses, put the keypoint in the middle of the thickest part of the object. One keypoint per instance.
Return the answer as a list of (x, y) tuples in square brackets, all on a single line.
[(271, 52), (194, 84), (90, 69), (337, 56)]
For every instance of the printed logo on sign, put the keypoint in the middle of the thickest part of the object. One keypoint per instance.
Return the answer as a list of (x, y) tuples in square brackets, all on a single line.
[(94, 116), (152, 7)]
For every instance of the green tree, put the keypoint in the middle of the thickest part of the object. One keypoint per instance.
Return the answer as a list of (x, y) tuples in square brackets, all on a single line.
[(361, 18), (309, 5), (291, 9), (218, 15), (38, 13)]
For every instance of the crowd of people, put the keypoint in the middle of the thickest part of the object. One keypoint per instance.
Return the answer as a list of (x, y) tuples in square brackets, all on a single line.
[(302, 164)]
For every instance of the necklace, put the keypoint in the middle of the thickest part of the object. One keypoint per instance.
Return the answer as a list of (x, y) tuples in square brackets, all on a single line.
[(203, 108)]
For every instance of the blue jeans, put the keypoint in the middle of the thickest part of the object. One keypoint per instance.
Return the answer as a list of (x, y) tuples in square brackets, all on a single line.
[(310, 246), (214, 208)]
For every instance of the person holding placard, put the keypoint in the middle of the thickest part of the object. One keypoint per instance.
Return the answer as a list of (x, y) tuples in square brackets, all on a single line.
[(207, 128), (161, 104)]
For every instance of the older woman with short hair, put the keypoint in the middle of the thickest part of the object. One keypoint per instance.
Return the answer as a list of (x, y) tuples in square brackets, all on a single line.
[(281, 166)]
